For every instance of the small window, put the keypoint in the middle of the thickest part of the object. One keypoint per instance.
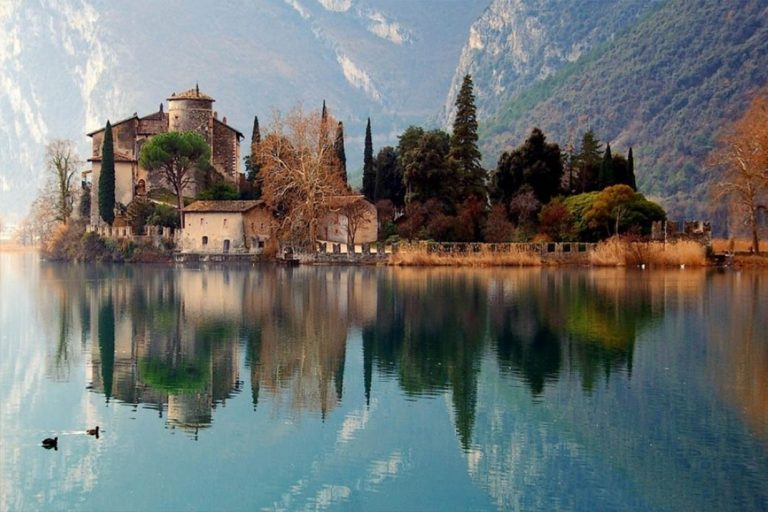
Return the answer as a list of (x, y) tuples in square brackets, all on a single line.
[(205, 240), (261, 244), (225, 222), (202, 219)]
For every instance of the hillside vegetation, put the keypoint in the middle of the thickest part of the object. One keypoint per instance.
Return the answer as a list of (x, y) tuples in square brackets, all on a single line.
[(664, 86)]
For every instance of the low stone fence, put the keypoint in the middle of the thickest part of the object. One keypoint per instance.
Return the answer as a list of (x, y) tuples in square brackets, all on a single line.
[(379, 252), (328, 252), (155, 235)]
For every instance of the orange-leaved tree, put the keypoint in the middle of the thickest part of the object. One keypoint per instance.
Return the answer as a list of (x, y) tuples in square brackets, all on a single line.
[(299, 170), (740, 166)]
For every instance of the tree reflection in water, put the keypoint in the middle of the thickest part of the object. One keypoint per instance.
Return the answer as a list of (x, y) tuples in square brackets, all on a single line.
[(170, 339)]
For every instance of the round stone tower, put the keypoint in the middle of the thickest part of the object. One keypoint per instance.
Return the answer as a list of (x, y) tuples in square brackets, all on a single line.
[(191, 111)]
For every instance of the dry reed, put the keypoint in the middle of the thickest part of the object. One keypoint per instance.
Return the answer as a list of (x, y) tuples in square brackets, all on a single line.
[(417, 255), (618, 253)]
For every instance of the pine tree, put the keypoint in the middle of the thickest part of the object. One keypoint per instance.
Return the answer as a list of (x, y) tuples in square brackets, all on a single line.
[(631, 181), (588, 162), (369, 171), (107, 178), (338, 148), (607, 177), (463, 148)]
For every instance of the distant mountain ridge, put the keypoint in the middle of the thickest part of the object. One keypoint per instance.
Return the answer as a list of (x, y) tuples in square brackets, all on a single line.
[(662, 77)]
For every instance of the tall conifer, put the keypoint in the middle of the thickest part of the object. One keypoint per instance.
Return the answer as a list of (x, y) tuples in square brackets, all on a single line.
[(107, 178), (631, 170), (256, 134), (369, 171), (338, 148), (463, 147), (323, 126), (607, 177)]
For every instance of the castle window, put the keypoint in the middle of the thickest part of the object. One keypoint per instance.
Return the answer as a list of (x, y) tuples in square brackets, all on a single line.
[(205, 240), (202, 220), (225, 222)]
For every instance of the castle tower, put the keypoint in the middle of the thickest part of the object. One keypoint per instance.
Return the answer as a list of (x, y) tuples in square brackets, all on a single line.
[(191, 111)]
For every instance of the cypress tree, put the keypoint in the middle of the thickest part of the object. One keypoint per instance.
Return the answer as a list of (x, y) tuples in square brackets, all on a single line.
[(252, 167), (338, 148), (463, 148), (256, 135), (107, 178), (369, 171), (607, 177), (631, 181), (323, 142)]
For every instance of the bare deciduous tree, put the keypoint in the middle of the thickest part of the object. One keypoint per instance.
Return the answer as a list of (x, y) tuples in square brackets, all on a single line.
[(357, 212), (740, 164), (62, 163), (299, 169)]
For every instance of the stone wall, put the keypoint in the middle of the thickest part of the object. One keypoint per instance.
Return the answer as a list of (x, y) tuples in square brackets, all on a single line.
[(226, 152), (186, 115)]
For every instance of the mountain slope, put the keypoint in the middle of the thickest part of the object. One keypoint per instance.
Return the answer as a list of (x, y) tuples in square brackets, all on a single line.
[(665, 86)]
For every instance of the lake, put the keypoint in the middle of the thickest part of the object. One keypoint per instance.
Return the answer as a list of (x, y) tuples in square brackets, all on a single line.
[(351, 388)]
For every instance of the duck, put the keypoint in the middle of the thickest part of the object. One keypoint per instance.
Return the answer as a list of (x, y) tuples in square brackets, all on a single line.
[(93, 431), (50, 443)]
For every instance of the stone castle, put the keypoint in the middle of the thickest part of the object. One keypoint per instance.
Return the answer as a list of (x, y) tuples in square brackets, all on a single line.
[(187, 111)]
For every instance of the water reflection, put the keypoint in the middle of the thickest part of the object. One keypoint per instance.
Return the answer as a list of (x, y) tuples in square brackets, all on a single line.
[(172, 339)]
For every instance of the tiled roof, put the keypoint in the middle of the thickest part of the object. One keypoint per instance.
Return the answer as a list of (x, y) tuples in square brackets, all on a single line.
[(225, 125), (222, 206), (119, 157), (94, 132)]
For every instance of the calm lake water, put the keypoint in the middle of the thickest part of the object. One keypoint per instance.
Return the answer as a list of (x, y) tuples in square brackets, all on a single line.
[(382, 389)]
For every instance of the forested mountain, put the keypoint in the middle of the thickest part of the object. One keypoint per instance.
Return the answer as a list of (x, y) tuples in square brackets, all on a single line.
[(662, 77)]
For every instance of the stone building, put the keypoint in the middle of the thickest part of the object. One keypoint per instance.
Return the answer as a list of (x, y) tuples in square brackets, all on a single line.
[(187, 111), (224, 227)]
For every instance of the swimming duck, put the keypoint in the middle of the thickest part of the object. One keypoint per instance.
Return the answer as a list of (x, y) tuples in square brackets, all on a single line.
[(50, 443), (93, 431)]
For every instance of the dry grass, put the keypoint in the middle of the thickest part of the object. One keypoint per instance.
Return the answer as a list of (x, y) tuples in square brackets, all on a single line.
[(733, 245), (416, 255), (619, 253)]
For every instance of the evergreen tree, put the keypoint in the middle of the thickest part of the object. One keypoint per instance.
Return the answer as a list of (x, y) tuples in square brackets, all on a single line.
[(536, 163), (429, 172), (338, 148), (252, 167), (607, 176), (620, 170), (370, 173), (464, 143), (588, 162), (323, 126), (389, 183), (256, 134), (107, 178), (631, 181)]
